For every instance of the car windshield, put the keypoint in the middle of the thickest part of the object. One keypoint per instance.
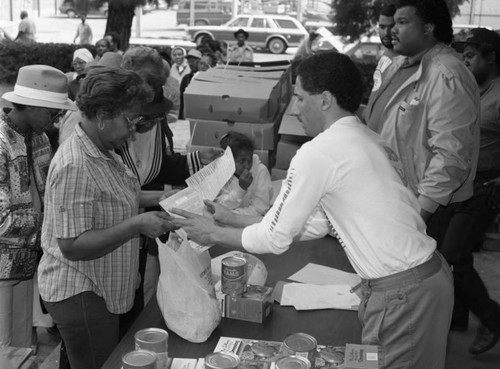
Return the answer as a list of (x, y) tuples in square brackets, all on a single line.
[(286, 23), (239, 22)]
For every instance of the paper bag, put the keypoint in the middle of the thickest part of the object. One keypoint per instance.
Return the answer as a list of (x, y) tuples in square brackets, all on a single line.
[(185, 292)]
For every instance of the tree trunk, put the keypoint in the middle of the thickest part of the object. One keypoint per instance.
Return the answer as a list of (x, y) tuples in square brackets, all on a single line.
[(120, 18)]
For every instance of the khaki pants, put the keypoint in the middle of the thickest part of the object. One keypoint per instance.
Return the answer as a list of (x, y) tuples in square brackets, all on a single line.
[(408, 315)]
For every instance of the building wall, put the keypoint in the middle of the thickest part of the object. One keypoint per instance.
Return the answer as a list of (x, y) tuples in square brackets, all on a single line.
[(480, 12)]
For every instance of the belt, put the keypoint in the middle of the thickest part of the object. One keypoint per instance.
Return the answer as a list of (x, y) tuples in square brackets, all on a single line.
[(415, 274)]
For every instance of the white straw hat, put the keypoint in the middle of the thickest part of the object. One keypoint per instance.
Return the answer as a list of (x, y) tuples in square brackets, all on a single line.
[(41, 85)]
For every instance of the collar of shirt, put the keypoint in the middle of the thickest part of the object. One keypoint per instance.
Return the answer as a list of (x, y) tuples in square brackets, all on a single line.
[(89, 146), (415, 59), (12, 125)]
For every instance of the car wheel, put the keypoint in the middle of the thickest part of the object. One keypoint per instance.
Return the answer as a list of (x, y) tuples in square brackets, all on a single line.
[(71, 13), (276, 46), (200, 38), (200, 22)]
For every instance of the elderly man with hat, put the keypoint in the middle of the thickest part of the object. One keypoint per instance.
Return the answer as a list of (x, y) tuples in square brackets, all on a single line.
[(193, 59), (39, 98), (241, 52), (481, 55)]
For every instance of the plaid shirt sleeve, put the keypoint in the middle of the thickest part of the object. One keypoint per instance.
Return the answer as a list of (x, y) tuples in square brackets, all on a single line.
[(73, 194)]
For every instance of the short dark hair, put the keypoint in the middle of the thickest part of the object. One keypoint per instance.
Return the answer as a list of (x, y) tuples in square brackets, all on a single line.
[(435, 12), (333, 72), (109, 90), (387, 10), (237, 142), (116, 39)]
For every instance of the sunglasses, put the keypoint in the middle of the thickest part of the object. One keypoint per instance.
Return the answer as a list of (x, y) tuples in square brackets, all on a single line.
[(55, 114), (132, 121)]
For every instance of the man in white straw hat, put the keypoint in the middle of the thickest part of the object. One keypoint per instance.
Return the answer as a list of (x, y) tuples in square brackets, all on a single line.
[(39, 98)]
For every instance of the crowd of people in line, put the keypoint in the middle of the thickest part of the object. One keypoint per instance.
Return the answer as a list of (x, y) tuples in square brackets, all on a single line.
[(407, 185)]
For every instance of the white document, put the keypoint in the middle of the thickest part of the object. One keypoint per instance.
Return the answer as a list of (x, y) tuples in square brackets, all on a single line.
[(311, 297), (323, 275), (209, 181), (203, 185)]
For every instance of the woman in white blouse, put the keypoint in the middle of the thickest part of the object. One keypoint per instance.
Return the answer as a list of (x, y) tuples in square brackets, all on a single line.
[(180, 66)]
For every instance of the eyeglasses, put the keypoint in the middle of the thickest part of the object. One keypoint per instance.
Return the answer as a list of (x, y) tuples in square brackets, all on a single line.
[(132, 122), (55, 114)]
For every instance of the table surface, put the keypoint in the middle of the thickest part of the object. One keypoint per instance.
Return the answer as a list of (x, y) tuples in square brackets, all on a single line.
[(329, 327)]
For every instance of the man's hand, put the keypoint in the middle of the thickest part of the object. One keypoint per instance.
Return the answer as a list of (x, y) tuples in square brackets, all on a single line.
[(219, 212), (155, 223), (198, 227), (245, 179), (209, 155)]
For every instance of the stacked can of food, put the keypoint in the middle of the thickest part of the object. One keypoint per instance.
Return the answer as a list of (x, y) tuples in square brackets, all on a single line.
[(221, 360), (300, 344), (331, 357), (234, 275), (293, 362), (154, 340), (139, 359)]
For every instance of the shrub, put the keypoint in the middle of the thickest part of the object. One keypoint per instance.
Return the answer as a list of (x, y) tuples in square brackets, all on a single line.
[(15, 55)]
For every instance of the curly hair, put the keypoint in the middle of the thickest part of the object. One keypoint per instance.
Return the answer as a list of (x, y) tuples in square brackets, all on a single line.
[(435, 12), (237, 142), (109, 90), (146, 62), (333, 72)]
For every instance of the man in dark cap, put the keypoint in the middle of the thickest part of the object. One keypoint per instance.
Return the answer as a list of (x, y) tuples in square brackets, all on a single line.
[(241, 52), (481, 54)]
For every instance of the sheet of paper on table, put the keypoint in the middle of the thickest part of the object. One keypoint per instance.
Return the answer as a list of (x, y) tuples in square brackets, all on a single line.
[(323, 275), (305, 296), (203, 185)]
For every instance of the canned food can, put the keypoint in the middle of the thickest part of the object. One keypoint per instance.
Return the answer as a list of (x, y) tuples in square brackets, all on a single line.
[(234, 275), (332, 355), (152, 339), (301, 344), (293, 362), (221, 360), (139, 359)]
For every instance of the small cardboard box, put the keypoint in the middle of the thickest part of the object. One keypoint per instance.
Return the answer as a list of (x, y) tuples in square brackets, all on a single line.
[(209, 133), (361, 356), (232, 98), (285, 151), (253, 306)]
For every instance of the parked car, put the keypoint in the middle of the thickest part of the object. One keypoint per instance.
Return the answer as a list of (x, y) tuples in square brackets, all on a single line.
[(94, 7), (271, 31), (206, 12)]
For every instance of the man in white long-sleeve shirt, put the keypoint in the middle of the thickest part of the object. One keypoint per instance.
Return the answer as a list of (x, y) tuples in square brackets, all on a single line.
[(351, 175)]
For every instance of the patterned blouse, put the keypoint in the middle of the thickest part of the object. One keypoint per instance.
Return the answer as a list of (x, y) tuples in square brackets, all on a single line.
[(24, 163)]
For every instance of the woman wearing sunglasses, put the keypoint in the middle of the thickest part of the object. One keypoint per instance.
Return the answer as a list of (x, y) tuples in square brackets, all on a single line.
[(90, 238)]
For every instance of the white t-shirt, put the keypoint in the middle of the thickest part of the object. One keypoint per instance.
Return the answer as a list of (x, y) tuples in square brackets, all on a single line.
[(349, 172)]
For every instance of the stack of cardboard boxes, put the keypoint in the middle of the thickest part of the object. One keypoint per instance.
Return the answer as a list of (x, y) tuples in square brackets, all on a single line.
[(291, 138), (249, 100)]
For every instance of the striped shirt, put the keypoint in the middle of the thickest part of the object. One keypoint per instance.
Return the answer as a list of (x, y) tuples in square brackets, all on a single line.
[(87, 190)]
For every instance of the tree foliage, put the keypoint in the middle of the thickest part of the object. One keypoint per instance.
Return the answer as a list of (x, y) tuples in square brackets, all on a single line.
[(353, 18), (120, 16)]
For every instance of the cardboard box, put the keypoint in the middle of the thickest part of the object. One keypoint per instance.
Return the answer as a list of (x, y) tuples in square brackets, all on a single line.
[(290, 127), (277, 174), (265, 156), (232, 98), (254, 306), (285, 151), (361, 356), (209, 133)]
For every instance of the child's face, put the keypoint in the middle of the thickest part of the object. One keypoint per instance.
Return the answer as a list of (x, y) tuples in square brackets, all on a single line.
[(242, 161)]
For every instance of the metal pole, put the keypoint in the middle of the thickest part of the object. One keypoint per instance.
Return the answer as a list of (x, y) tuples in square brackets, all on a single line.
[(191, 12), (299, 10), (55, 7), (472, 10), (138, 21), (235, 8), (11, 11), (38, 6)]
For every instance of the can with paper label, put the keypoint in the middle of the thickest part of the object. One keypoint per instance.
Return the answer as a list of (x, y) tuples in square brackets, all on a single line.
[(293, 362), (154, 340), (139, 359), (234, 275)]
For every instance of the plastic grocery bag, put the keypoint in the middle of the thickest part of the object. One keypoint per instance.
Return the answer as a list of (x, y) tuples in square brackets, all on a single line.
[(256, 269), (185, 292)]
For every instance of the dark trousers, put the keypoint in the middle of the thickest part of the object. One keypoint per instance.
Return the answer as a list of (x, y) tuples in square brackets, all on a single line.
[(458, 228), (88, 329)]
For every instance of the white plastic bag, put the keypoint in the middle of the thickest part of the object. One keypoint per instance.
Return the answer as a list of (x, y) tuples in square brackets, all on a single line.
[(256, 269), (185, 293)]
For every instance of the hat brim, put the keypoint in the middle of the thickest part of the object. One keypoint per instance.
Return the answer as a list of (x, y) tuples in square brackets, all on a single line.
[(244, 33), (12, 97)]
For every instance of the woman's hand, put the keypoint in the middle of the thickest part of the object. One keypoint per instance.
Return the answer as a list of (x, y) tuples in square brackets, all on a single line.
[(155, 223), (167, 194), (209, 155), (219, 212)]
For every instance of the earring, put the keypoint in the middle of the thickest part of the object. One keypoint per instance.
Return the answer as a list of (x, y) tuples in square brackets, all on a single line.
[(100, 125)]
